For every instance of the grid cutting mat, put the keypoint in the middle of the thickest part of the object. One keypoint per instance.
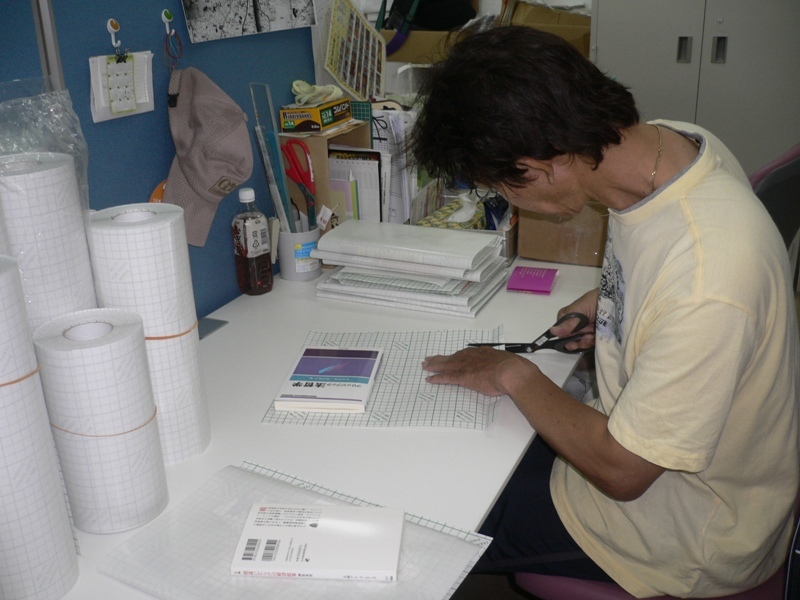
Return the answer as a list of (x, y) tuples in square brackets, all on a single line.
[(401, 396)]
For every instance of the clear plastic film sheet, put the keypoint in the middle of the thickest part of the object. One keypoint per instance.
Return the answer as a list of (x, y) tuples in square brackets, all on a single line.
[(44, 199), (33, 120)]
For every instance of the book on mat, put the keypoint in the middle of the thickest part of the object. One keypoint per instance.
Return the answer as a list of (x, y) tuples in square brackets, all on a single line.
[(330, 380), (359, 543), (533, 280)]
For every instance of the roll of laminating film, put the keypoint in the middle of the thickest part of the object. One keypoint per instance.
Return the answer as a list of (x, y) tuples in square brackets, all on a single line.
[(141, 262), (37, 551), (44, 229), (183, 420), (99, 397)]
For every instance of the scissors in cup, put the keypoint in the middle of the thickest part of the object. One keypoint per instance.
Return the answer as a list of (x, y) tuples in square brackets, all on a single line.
[(547, 339), (302, 173)]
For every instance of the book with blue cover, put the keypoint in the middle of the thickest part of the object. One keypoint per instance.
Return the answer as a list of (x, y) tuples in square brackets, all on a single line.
[(330, 380)]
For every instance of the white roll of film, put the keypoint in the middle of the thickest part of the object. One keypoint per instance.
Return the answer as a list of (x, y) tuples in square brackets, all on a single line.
[(37, 551), (140, 260), (99, 397), (43, 224)]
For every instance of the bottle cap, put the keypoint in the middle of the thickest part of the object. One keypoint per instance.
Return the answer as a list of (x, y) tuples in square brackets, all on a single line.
[(247, 195)]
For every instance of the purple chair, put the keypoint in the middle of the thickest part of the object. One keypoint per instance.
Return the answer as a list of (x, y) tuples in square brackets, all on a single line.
[(788, 156), (551, 587), (783, 585), (777, 185)]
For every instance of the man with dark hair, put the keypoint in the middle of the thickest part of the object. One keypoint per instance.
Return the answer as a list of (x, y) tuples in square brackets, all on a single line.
[(680, 477)]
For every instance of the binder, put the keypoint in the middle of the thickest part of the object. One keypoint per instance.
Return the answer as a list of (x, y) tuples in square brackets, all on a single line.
[(363, 165)]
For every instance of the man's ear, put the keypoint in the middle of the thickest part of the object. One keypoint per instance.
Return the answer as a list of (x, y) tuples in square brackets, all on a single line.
[(536, 169)]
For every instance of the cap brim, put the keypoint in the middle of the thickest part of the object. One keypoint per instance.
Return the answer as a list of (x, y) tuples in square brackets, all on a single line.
[(198, 213)]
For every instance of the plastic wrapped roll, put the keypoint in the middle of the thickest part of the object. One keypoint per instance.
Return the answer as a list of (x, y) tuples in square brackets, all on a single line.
[(99, 397), (141, 263), (37, 550), (44, 229)]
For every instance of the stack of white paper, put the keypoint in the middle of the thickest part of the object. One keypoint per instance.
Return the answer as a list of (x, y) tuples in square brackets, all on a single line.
[(418, 268)]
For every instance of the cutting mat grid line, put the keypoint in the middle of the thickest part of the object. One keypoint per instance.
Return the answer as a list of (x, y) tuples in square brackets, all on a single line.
[(401, 396)]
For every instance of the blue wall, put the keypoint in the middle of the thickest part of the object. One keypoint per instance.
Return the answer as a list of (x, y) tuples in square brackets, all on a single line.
[(129, 157), (19, 50)]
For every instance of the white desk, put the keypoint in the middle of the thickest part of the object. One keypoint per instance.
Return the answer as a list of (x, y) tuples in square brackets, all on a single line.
[(449, 475)]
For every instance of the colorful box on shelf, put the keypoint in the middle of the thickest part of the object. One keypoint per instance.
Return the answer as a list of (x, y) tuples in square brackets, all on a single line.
[(312, 119)]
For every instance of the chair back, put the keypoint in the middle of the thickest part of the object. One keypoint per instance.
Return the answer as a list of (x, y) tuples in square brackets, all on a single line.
[(792, 586), (756, 177), (779, 191)]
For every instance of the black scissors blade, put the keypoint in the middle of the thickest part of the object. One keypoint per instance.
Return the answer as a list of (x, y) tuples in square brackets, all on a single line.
[(547, 339)]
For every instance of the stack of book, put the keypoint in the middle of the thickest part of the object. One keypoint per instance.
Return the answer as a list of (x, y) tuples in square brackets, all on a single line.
[(417, 268)]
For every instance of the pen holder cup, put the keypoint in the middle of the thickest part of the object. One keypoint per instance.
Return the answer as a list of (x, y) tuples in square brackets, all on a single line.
[(294, 255)]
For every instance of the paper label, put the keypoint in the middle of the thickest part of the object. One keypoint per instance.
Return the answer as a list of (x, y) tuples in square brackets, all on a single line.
[(302, 257), (250, 236), (326, 542)]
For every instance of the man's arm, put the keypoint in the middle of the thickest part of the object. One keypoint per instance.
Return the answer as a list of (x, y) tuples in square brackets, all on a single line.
[(578, 432)]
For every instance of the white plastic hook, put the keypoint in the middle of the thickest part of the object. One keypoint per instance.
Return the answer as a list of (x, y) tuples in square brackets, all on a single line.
[(113, 28), (166, 18)]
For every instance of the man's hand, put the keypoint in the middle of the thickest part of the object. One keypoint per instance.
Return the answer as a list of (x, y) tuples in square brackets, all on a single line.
[(578, 432), (481, 369), (587, 305)]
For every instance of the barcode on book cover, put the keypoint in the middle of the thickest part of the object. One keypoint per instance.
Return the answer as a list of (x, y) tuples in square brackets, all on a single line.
[(269, 550), (251, 550)]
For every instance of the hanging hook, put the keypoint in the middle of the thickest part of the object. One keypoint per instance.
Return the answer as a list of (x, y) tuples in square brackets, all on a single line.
[(173, 48), (166, 18), (113, 28)]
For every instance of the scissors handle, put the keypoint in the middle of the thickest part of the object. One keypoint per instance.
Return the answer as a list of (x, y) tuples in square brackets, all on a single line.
[(559, 344), (583, 320), (303, 177), (547, 339), (301, 173)]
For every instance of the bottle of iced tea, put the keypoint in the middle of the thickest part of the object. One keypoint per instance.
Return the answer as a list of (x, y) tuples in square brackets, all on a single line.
[(251, 246)]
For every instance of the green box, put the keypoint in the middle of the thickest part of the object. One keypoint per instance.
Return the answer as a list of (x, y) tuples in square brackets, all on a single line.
[(313, 119)]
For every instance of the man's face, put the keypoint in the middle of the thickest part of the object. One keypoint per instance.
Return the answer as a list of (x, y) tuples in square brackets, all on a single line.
[(551, 189)]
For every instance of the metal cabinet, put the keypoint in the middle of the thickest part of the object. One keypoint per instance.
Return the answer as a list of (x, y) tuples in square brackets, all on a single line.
[(732, 66)]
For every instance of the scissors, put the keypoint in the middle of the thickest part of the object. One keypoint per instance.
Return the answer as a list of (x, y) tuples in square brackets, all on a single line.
[(302, 174), (547, 339)]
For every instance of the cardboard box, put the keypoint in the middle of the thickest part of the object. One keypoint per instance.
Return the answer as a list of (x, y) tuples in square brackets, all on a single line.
[(314, 119), (421, 47), (579, 241), (426, 47), (573, 27), (355, 134)]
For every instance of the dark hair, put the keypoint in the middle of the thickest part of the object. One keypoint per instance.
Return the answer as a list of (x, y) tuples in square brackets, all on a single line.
[(513, 92)]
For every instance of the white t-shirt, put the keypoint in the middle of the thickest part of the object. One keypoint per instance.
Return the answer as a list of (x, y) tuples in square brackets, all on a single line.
[(697, 362)]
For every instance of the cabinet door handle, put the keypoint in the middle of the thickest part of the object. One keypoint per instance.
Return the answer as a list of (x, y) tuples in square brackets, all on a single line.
[(684, 49), (719, 49)]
